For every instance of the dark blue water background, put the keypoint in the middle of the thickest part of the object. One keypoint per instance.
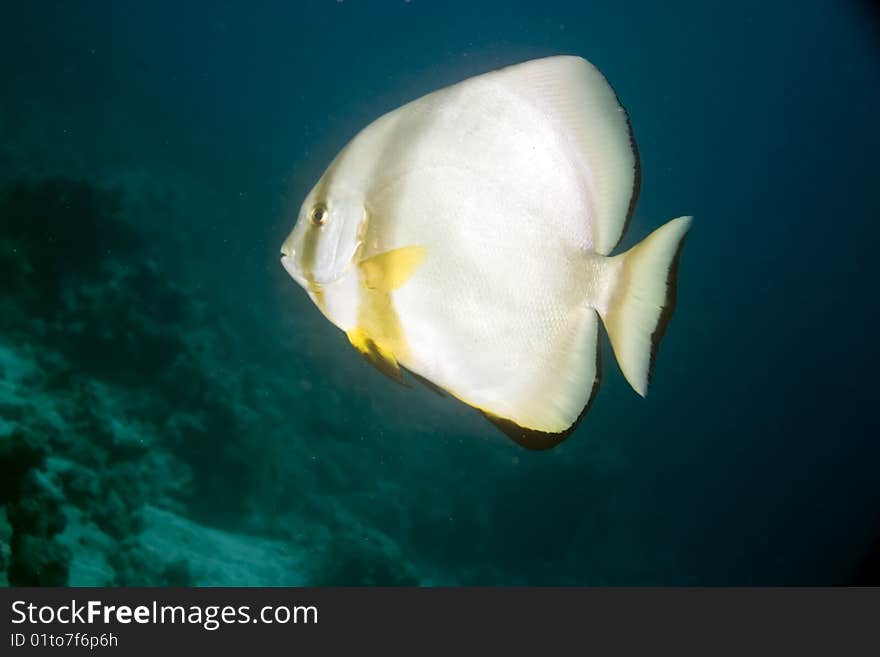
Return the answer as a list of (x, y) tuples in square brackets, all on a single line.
[(755, 457)]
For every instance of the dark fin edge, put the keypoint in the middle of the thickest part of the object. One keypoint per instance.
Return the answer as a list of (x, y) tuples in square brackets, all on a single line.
[(430, 385), (374, 358), (668, 307), (534, 440), (637, 175)]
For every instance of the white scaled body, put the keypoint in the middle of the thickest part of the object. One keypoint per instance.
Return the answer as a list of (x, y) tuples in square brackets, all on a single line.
[(469, 242)]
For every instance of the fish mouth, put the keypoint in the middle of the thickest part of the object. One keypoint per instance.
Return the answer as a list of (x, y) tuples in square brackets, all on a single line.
[(306, 281), (309, 280), (293, 270)]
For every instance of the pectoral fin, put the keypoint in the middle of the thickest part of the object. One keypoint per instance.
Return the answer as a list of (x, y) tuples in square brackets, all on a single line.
[(390, 270)]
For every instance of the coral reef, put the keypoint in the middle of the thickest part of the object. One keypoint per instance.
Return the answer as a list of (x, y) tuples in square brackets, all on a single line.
[(33, 513), (122, 398)]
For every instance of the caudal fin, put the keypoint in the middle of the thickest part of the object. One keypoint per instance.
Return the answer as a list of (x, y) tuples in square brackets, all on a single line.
[(642, 300)]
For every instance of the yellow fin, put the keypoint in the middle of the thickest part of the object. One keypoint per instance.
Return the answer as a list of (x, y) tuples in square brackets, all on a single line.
[(382, 359), (390, 270), (378, 335)]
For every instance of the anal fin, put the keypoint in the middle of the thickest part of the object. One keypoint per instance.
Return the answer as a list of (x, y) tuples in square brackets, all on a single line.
[(535, 440), (528, 438)]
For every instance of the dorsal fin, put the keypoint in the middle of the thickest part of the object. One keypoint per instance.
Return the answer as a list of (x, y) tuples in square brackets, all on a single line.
[(574, 93)]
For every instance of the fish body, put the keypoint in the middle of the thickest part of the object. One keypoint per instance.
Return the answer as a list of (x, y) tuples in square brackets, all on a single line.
[(466, 236)]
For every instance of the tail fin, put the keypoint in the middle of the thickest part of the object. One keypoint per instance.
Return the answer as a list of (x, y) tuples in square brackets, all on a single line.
[(642, 300)]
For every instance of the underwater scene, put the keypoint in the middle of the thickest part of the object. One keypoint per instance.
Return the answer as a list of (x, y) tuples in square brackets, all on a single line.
[(176, 410)]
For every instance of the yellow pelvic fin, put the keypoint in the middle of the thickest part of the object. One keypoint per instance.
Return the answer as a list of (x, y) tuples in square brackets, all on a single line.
[(382, 359), (379, 335)]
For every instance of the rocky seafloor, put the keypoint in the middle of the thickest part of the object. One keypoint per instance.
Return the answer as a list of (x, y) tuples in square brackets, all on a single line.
[(128, 435)]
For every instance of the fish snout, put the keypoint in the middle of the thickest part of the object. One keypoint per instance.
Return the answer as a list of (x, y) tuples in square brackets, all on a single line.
[(287, 262)]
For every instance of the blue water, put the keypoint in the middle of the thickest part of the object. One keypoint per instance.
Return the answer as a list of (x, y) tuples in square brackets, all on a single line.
[(753, 460)]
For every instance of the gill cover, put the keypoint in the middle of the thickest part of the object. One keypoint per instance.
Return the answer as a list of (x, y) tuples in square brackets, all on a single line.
[(326, 238)]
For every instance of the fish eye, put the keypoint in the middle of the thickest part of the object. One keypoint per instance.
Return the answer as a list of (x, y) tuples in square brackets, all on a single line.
[(319, 214)]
